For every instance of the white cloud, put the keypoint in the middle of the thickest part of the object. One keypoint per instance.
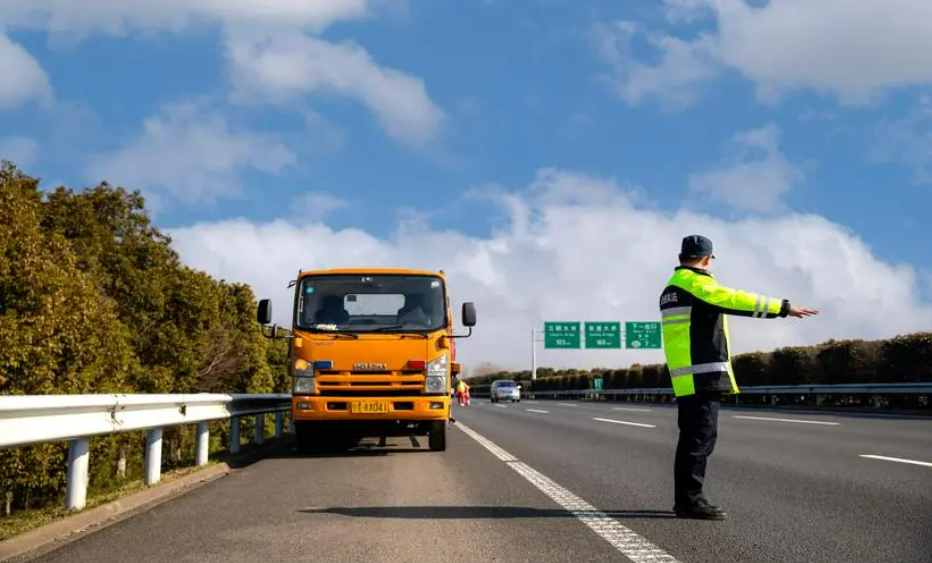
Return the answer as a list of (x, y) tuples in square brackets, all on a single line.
[(907, 141), (675, 79), (271, 47), (190, 154), (21, 151), (315, 206), (23, 77), (854, 50), (580, 248), (288, 65), (123, 17), (757, 182)]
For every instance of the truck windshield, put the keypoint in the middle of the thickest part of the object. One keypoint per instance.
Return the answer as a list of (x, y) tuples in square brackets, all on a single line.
[(362, 303)]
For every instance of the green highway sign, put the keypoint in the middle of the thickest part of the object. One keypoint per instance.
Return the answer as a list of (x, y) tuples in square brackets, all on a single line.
[(603, 335), (561, 335), (642, 335)]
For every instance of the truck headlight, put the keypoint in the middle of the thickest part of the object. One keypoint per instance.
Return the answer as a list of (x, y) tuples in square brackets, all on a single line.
[(303, 377), (437, 375)]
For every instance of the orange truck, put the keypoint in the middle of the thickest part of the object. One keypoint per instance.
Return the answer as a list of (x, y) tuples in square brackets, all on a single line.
[(372, 355)]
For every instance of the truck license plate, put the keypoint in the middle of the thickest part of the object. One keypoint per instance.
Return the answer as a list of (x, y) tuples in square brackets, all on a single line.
[(369, 407)]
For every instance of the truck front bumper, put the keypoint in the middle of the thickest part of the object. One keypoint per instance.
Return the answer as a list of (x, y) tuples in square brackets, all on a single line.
[(312, 407)]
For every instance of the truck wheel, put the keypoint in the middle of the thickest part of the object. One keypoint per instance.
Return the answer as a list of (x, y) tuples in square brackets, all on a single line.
[(437, 436)]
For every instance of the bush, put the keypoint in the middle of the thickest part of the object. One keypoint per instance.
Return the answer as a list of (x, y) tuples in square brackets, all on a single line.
[(792, 366), (93, 299), (907, 359), (848, 361), (752, 369)]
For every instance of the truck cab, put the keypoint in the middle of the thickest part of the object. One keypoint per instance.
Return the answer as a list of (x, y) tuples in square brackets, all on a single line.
[(372, 355)]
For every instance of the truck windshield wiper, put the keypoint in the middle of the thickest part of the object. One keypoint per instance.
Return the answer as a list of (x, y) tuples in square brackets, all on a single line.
[(396, 327), (333, 333)]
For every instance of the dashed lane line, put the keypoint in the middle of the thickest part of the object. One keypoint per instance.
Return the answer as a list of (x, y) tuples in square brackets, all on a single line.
[(633, 546), (897, 459), (641, 424), (537, 411), (771, 419), (630, 409)]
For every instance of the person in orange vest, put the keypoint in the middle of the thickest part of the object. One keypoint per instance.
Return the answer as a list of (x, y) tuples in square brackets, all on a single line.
[(462, 389)]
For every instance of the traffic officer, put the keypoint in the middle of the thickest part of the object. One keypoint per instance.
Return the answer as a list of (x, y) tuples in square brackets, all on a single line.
[(694, 309)]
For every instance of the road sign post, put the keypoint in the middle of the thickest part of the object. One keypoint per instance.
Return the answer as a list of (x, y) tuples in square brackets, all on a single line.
[(642, 335)]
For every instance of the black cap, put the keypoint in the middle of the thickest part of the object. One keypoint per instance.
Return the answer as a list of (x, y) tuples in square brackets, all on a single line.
[(696, 245)]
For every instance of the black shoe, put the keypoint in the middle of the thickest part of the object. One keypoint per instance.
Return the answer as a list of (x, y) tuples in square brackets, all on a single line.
[(700, 509)]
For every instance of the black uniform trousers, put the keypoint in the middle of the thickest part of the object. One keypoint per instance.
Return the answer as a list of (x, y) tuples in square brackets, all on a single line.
[(698, 423)]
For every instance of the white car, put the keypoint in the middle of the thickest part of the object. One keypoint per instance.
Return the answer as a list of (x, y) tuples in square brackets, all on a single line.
[(506, 390)]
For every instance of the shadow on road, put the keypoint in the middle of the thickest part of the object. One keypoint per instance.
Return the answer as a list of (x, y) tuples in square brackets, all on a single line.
[(476, 512)]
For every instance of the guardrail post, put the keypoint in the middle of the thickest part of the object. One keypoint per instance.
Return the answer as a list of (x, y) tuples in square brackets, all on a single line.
[(279, 424), (875, 400), (260, 428), (773, 400), (153, 456), (79, 453), (819, 399), (203, 443), (234, 435)]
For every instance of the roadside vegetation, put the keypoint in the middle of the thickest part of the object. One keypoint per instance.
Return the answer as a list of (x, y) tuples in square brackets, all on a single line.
[(93, 299), (902, 359)]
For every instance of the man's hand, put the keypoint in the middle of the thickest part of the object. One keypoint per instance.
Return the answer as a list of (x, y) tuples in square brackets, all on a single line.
[(801, 312)]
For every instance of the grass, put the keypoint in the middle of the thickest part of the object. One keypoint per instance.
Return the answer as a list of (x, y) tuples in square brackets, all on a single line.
[(27, 520), (24, 521)]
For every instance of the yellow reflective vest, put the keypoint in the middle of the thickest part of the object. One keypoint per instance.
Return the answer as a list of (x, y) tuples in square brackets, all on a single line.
[(693, 310)]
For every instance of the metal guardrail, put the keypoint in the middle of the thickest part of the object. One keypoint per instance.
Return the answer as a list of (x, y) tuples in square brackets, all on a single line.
[(824, 389), (876, 390), (36, 419)]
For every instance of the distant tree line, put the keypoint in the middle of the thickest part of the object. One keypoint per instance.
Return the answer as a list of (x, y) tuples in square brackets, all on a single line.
[(902, 359), (93, 299)]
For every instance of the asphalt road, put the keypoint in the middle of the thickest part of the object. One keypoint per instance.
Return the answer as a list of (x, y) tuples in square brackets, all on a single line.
[(547, 482)]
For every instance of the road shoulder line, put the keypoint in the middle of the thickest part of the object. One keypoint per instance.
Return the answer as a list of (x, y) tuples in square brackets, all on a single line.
[(625, 540)]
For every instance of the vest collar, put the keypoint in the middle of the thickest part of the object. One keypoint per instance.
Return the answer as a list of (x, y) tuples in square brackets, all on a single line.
[(699, 271)]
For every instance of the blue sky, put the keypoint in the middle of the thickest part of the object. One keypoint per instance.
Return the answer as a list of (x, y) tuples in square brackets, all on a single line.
[(361, 115)]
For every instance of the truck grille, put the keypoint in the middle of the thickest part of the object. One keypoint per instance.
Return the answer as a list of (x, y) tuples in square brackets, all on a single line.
[(369, 392), (351, 373), (388, 383)]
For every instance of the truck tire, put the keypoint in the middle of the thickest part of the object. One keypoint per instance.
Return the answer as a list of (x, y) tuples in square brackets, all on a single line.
[(437, 436)]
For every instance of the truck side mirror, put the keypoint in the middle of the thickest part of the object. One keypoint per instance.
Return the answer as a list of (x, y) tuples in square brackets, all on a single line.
[(264, 312), (469, 314)]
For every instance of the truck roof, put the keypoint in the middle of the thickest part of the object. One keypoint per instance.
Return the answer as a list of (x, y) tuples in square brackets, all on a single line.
[(405, 271)]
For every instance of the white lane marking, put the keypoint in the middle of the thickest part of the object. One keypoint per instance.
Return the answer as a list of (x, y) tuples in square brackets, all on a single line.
[(897, 459), (769, 419), (567, 405), (628, 409), (625, 422), (537, 410), (626, 541), (501, 406)]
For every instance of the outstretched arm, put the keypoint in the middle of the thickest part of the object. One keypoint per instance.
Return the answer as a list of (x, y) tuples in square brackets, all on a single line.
[(740, 303)]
